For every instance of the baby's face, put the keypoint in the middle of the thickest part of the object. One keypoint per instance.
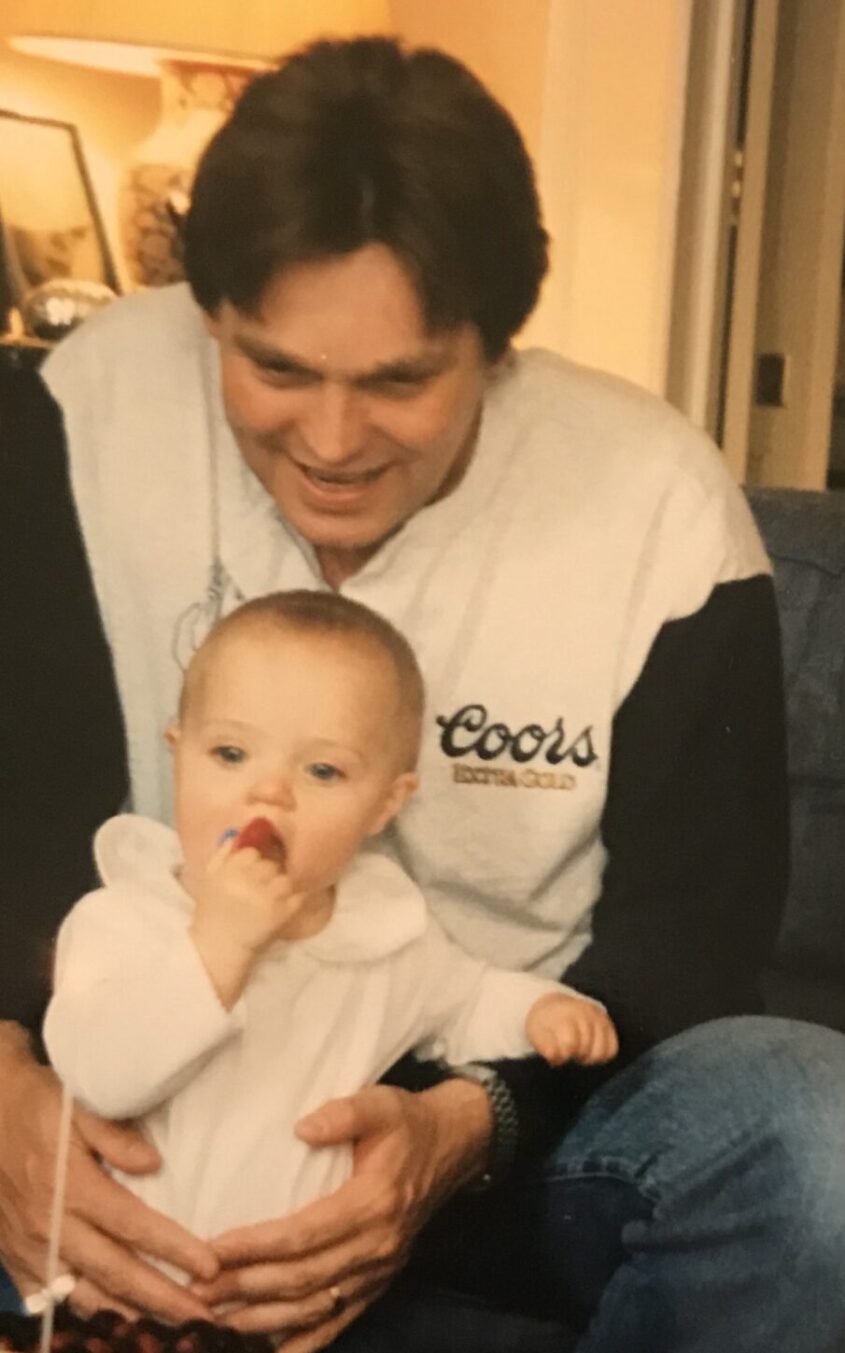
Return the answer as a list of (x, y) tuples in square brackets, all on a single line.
[(300, 730)]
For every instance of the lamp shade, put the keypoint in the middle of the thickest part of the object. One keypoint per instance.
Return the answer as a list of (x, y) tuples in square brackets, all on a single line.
[(259, 29), (203, 52)]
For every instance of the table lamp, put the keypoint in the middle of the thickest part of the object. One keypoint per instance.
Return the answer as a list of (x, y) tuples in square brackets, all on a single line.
[(203, 55)]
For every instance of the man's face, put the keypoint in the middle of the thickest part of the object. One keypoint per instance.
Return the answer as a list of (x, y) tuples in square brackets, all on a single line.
[(351, 414), (299, 730)]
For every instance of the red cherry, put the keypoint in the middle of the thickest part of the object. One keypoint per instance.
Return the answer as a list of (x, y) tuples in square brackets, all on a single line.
[(146, 1342), (261, 835)]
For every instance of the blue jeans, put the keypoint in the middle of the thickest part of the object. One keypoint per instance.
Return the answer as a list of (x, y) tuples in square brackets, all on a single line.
[(9, 1299), (696, 1205)]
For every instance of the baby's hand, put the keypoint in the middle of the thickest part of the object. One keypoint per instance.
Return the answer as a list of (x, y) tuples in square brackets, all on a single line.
[(245, 895), (243, 901), (566, 1028)]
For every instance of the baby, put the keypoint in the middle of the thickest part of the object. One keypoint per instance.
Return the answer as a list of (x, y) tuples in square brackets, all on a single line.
[(220, 990)]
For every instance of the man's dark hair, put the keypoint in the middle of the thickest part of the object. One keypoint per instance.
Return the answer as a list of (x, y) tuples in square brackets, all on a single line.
[(356, 142)]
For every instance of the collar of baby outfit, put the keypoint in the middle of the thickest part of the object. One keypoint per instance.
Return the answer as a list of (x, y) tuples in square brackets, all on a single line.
[(378, 910)]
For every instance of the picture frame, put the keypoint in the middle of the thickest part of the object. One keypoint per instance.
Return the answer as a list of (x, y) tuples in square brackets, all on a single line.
[(50, 225)]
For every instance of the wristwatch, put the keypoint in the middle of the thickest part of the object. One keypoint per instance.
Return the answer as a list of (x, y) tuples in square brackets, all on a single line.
[(505, 1135)]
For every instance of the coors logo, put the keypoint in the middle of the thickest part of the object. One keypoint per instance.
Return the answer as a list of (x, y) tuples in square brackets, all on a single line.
[(469, 733)]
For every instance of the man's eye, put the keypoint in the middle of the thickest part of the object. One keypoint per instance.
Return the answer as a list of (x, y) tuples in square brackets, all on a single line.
[(229, 755), (285, 378), (324, 772), (400, 386)]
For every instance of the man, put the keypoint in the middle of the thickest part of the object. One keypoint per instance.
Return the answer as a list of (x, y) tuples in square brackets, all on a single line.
[(603, 786)]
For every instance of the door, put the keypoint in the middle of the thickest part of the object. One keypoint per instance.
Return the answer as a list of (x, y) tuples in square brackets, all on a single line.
[(761, 376)]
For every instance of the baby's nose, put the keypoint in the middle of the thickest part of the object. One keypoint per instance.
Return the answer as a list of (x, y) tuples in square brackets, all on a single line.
[(274, 789)]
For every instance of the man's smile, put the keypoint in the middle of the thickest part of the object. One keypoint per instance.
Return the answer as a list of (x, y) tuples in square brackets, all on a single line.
[(341, 478)]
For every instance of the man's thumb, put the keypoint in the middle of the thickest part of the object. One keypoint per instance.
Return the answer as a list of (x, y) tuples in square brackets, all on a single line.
[(345, 1120), (119, 1145)]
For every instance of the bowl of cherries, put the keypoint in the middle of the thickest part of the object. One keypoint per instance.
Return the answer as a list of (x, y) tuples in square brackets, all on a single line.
[(110, 1332)]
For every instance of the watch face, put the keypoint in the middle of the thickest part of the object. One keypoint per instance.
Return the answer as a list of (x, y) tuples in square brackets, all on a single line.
[(483, 1074)]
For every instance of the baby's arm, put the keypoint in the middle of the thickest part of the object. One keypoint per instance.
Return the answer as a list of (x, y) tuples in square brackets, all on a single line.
[(133, 1013), (481, 1012)]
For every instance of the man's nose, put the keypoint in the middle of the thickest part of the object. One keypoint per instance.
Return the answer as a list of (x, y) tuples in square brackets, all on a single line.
[(335, 427)]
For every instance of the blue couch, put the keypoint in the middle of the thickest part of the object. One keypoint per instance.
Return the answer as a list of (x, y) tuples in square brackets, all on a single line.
[(805, 536)]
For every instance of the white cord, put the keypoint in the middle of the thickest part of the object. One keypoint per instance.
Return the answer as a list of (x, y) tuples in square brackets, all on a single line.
[(55, 1284)]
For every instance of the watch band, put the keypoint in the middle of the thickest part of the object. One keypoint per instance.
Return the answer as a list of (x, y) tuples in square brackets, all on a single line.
[(505, 1134)]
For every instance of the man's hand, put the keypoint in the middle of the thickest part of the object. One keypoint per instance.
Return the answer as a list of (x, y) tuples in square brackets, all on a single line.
[(565, 1028), (312, 1273), (103, 1224)]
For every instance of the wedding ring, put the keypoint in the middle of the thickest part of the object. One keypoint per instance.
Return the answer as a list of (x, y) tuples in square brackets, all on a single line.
[(338, 1300), (59, 1289)]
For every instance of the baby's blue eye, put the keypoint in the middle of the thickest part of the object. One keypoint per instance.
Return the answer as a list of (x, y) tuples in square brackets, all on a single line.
[(324, 772), (229, 755)]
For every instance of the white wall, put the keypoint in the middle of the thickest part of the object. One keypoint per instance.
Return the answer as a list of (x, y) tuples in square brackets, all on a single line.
[(609, 165), (597, 88)]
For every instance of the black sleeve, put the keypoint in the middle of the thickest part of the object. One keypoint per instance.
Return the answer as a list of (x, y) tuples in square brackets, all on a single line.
[(63, 764), (696, 831)]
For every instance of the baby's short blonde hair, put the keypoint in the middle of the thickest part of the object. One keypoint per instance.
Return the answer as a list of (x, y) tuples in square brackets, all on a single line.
[(323, 615)]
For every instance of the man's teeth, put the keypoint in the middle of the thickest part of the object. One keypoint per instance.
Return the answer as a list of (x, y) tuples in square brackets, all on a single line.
[(341, 481)]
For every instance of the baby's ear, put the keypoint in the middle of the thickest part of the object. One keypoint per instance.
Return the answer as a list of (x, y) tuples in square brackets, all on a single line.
[(172, 734), (400, 791)]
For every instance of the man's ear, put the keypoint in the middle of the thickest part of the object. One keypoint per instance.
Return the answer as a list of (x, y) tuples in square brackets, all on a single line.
[(400, 791), (172, 734), (496, 365), (211, 320)]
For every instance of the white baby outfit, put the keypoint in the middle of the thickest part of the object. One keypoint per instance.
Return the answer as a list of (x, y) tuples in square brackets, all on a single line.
[(135, 1027)]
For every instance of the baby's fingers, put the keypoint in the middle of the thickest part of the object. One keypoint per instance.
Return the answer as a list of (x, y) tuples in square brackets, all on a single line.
[(600, 1043), (609, 1040), (225, 846), (543, 1041), (555, 1045)]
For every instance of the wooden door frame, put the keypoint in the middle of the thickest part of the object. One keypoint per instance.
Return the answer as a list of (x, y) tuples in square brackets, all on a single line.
[(720, 217), (798, 311), (743, 157), (702, 246)]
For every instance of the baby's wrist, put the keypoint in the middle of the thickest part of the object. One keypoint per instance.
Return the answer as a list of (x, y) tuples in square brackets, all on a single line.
[(227, 962), (209, 928)]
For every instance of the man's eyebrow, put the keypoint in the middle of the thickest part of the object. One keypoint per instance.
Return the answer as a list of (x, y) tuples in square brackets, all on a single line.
[(270, 356), (408, 368)]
